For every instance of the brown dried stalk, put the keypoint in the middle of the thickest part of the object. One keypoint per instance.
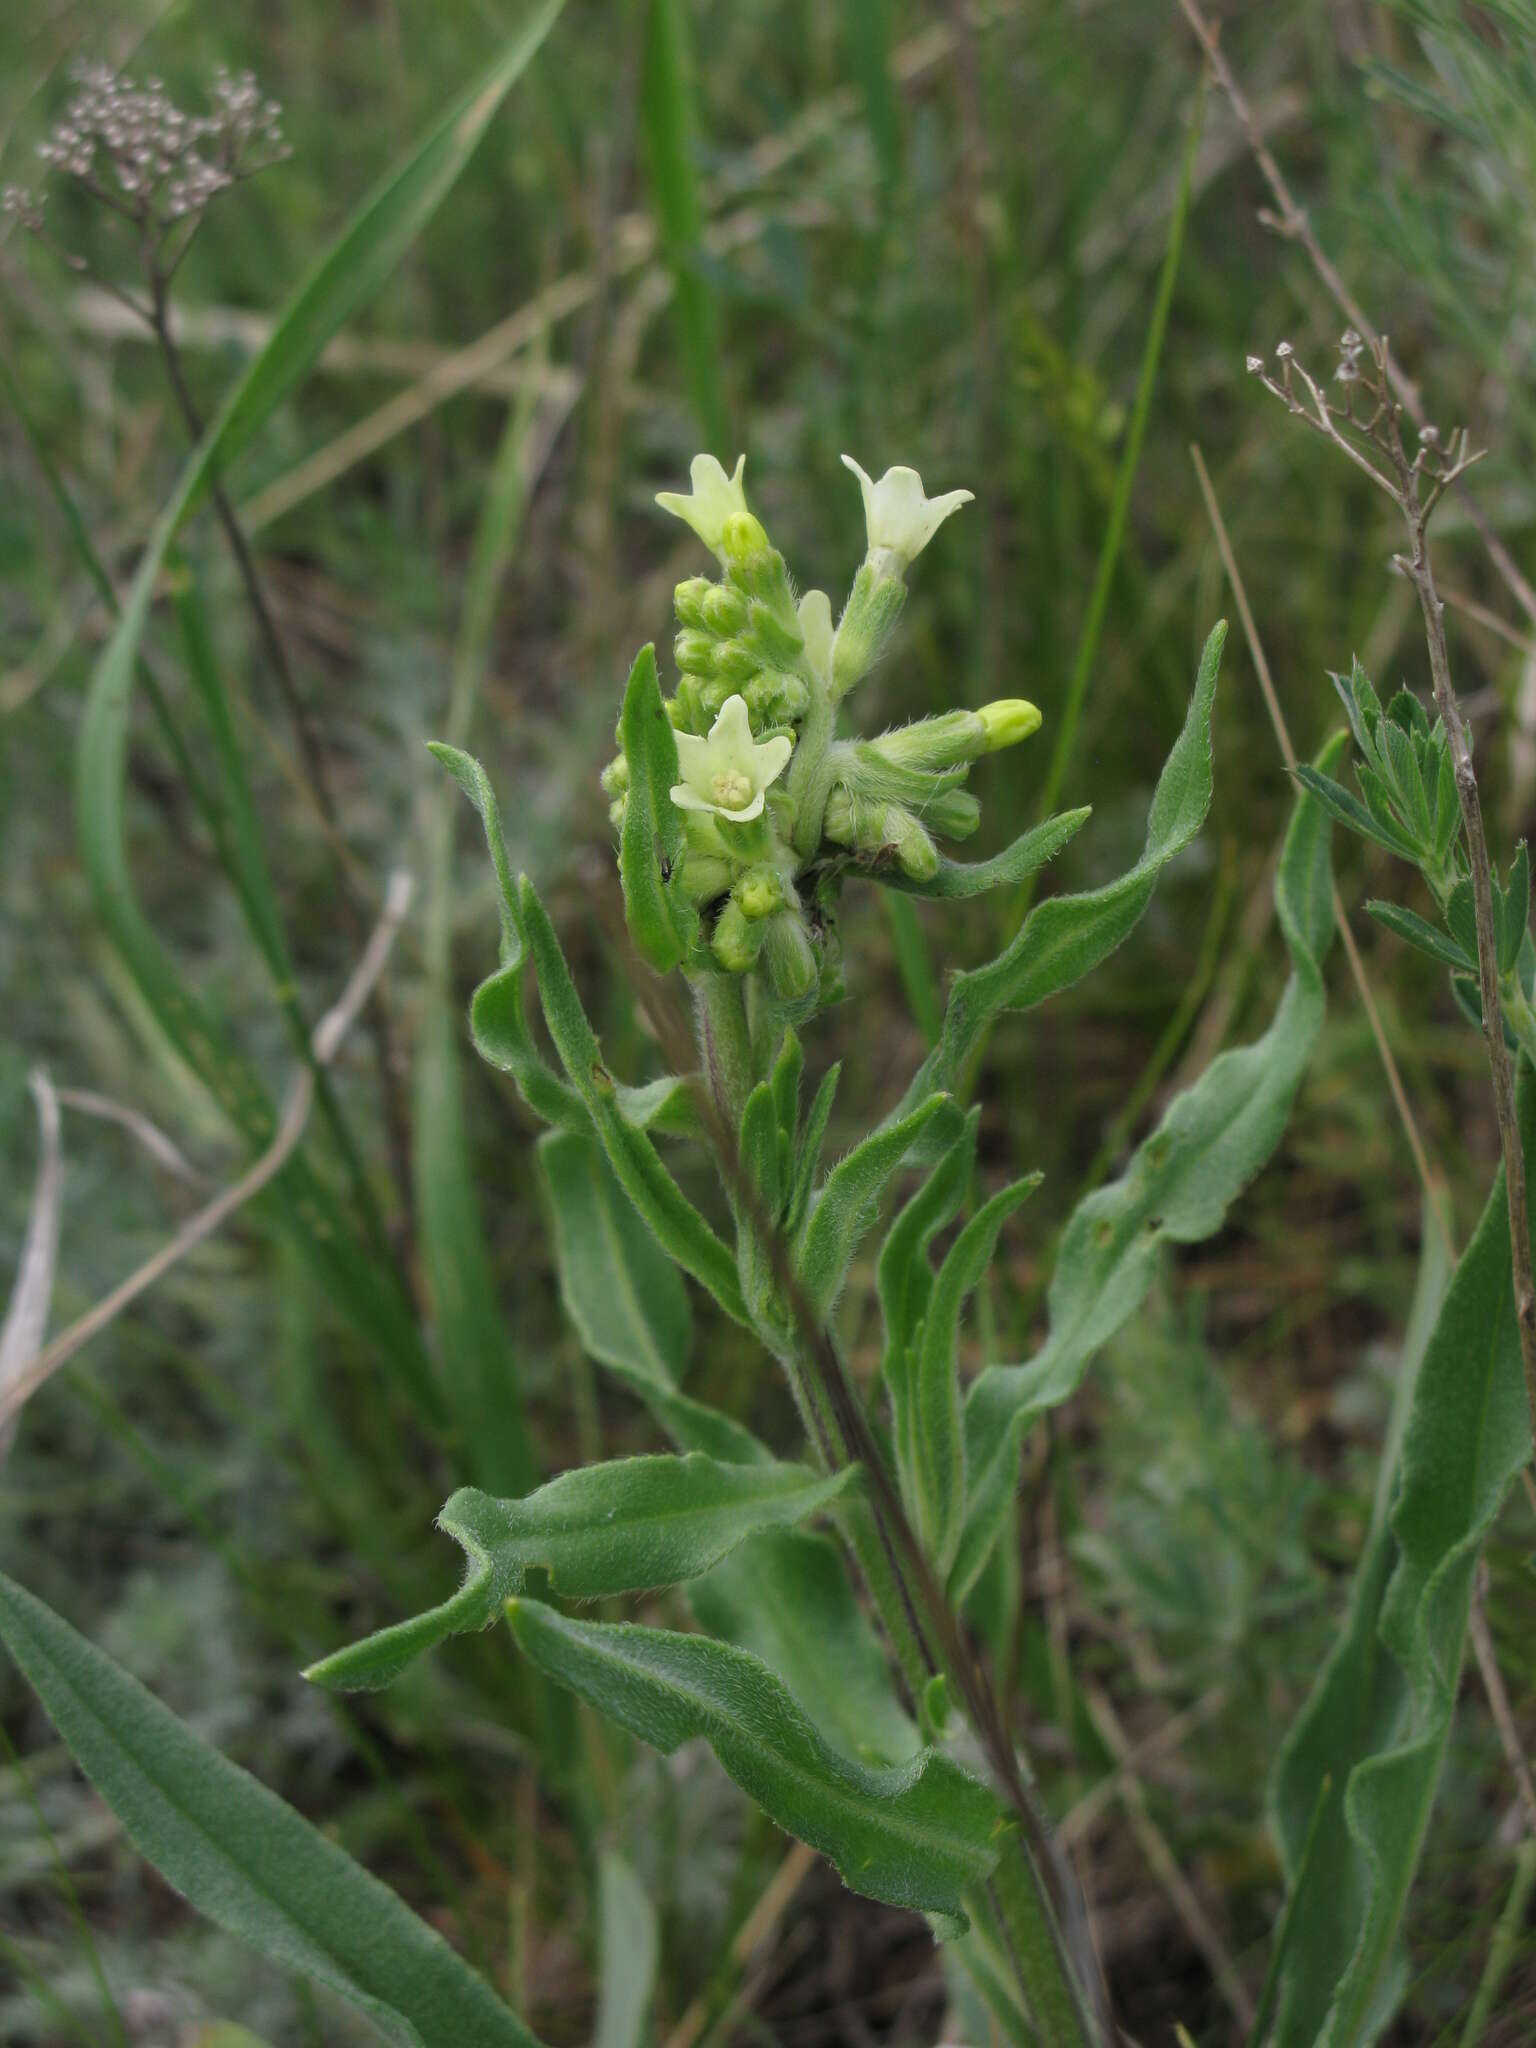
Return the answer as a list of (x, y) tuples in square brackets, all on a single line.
[(1367, 429)]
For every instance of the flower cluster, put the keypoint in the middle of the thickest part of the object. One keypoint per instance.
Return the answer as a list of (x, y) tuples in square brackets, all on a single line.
[(131, 146), (775, 807)]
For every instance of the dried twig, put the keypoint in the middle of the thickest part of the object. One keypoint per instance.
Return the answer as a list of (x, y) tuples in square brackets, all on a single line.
[(1292, 222), (328, 1036), (1433, 1187), (1367, 427)]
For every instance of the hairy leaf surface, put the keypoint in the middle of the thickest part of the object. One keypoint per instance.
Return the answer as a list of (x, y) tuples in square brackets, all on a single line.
[(243, 1858)]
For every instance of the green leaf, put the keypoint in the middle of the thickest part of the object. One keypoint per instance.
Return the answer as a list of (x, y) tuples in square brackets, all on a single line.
[(1065, 937), (677, 1226), (1355, 1704), (669, 121), (1516, 909), (367, 252), (1177, 1189), (1418, 932), (844, 1209), (626, 1527), (1408, 785), (785, 1597), (497, 1017), (241, 1857), (917, 1833), (760, 1147), (1352, 813), (652, 834), (629, 1946), (1466, 1437), (807, 1156), (477, 1361), (628, 1307), (904, 1278), (1461, 917), (936, 1474), (1005, 870)]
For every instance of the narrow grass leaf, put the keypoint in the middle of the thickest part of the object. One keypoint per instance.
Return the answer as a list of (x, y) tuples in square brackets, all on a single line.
[(628, 1947), (669, 116), (918, 1834), (244, 1859)]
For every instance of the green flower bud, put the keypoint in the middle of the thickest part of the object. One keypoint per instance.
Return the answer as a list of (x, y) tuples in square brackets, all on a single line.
[(695, 652), (762, 574), (615, 776), (737, 940), (789, 956), (616, 812), (1008, 721), (779, 637), (734, 661), (724, 610), (676, 715), (711, 698), (934, 744), (775, 699), (702, 877), (760, 892), (916, 854), (689, 598), (837, 820), (874, 605), (954, 814), (742, 535)]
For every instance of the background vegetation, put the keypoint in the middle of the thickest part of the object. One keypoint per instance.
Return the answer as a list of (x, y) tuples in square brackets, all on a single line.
[(926, 236)]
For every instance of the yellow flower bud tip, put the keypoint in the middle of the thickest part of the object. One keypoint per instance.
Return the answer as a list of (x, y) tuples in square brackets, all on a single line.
[(1008, 721)]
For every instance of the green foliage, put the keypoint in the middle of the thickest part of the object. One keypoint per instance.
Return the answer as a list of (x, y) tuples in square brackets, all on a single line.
[(247, 1861), (628, 1942), (624, 1527), (1066, 937), (920, 1833), (1369, 1746), (1177, 1189), (652, 834), (629, 1308)]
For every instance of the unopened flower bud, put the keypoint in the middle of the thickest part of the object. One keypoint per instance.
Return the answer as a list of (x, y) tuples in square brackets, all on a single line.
[(916, 855), (953, 814), (735, 661), (789, 956), (743, 535), (737, 940), (702, 877), (777, 632), (695, 652), (724, 610), (1008, 720), (615, 777), (689, 598), (760, 892)]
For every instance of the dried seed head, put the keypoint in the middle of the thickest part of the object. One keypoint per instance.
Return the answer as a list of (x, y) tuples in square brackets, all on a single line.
[(1255, 366)]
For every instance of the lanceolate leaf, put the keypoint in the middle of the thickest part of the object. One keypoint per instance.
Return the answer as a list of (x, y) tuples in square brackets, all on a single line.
[(629, 1307), (1427, 938), (845, 1207), (916, 1834), (785, 1597), (1467, 1435), (1358, 1701), (1005, 870), (245, 1860), (598, 1530), (652, 834), (1177, 1189), (366, 253), (1065, 937), (677, 1226), (936, 1475)]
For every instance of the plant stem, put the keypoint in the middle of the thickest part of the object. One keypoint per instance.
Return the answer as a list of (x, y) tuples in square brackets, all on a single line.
[(1419, 569)]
